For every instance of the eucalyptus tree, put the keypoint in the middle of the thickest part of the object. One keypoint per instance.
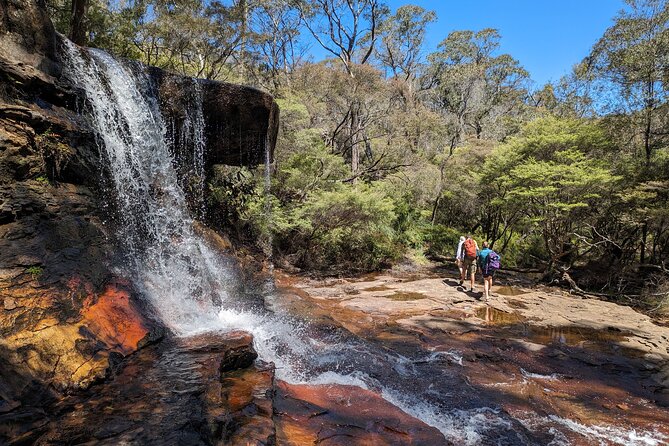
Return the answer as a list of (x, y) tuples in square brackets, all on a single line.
[(80, 19), (632, 62), (348, 30), (193, 37), (402, 39), (473, 86), (276, 27)]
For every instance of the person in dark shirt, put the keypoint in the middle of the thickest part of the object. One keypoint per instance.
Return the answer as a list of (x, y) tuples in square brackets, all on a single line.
[(488, 273)]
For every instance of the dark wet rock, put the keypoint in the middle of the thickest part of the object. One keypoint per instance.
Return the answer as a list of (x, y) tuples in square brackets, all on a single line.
[(345, 415), (235, 348), (170, 393), (246, 407), (238, 357), (240, 122)]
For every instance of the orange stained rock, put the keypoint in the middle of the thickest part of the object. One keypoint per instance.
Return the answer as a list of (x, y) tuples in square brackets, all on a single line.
[(114, 319), (346, 416), (242, 387)]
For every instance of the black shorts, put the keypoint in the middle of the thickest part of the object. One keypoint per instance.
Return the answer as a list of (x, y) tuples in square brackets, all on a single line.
[(490, 273)]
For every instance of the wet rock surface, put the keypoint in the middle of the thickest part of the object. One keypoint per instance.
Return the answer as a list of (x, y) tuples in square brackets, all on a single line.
[(538, 365), (174, 392), (344, 415), (168, 393), (240, 122)]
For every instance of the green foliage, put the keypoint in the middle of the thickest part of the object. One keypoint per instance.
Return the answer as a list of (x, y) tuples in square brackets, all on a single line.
[(347, 228), (310, 167), (233, 193), (35, 271), (56, 153), (548, 178), (442, 240)]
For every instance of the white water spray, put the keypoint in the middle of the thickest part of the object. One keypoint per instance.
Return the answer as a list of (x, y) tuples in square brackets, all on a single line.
[(183, 279)]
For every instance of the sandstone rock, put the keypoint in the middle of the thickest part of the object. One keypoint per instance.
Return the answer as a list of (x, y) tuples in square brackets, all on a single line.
[(345, 415), (238, 357), (220, 242), (169, 393), (114, 320), (28, 24), (247, 406), (240, 122), (235, 348), (9, 303), (74, 355)]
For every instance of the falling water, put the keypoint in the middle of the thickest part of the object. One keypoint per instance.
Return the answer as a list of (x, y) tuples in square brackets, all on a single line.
[(199, 147), (268, 248), (190, 286), (187, 141), (183, 279)]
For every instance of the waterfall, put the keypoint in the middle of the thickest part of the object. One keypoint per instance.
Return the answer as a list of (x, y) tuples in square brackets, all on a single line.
[(269, 241), (184, 280)]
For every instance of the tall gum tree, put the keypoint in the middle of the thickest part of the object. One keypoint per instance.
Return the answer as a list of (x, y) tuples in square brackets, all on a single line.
[(347, 29), (631, 61)]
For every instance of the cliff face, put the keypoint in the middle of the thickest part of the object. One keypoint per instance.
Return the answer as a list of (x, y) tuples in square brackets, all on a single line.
[(65, 318)]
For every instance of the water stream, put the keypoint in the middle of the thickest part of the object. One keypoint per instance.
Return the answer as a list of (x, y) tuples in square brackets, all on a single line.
[(193, 289)]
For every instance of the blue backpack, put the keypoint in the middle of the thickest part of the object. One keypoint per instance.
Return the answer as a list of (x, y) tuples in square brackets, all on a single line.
[(492, 262)]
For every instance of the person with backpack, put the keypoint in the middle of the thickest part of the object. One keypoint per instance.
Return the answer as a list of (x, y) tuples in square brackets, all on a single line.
[(489, 262), (471, 252), (460, 257)]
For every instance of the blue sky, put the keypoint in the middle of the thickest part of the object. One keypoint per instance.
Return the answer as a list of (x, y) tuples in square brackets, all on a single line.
[(547, 36)]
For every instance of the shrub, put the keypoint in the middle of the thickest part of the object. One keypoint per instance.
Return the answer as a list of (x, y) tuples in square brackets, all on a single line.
[(346, 229), (442, 240)]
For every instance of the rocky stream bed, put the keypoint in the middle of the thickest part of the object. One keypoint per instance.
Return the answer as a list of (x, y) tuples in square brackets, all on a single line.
[(534, 366), (126, 318)]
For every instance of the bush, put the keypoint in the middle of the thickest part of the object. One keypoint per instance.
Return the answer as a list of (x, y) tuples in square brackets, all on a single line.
[(442, 240), (233, 192), (346, 229)]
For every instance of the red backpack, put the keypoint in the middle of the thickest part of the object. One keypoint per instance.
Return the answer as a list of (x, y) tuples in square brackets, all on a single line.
[(470, 248)]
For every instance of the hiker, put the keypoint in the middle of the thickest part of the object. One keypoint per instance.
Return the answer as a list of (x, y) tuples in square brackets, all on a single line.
[(489, 263), (460, 257), (471, 251)]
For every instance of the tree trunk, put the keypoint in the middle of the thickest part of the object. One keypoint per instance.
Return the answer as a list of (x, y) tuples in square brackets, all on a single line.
[(77, 23), (646, 137), (355, 139), (243, 47), (650, 103), (644, 238)]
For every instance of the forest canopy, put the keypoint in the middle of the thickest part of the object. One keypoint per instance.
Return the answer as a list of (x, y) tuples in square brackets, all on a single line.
[(388, 152)]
